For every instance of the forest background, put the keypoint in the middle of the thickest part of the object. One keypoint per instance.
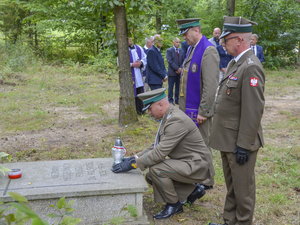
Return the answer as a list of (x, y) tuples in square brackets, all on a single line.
[(60, 88)]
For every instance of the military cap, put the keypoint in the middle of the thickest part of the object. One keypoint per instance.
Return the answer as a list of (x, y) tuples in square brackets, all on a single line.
[(186, 24), (236, 24), (150, 97)]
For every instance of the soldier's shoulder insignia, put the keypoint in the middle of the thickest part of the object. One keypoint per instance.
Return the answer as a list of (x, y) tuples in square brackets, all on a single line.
[(250, 60)]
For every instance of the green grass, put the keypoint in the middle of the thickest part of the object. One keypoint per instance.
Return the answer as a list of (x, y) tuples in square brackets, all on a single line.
[(38, 98)]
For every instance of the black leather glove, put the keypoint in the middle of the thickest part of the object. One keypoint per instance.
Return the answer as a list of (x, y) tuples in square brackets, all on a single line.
[(128, 159), (242, 155), (124, 166)]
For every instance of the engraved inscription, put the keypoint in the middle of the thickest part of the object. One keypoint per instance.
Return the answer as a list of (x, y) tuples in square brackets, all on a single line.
[(79, 171), (54, 172), (90, 170), (67, 172), (102, 170)]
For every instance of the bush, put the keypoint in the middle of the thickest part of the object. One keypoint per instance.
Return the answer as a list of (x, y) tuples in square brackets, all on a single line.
[(15, 58)]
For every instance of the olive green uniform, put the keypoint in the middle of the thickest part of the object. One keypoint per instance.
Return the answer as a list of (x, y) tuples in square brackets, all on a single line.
[(209, 83), (238, 110), (180, 158)]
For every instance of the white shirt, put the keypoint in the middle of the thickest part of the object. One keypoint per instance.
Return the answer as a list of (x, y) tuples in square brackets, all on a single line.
[(240, 55)]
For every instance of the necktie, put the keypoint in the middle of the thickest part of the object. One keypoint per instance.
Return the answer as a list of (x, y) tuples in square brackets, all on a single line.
[(157, 135), (177, 52), (230, 65), (253, 48)]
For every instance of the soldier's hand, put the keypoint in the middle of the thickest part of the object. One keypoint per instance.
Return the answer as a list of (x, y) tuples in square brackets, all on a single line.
[(242, 155), (124, 166), (128, 159)]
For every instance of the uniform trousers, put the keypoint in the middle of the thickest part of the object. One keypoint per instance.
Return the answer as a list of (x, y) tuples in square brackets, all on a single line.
[(168, 185), (205, 129), (240, 183)]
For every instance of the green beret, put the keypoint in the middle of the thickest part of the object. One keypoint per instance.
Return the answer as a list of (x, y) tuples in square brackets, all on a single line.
[(150, 97)]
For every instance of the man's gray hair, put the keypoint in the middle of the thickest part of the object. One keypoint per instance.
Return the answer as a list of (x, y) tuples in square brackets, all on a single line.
[(255, 35), (149, 39)]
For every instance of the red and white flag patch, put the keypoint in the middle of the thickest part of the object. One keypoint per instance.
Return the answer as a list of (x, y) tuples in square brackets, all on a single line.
[(253, 82)]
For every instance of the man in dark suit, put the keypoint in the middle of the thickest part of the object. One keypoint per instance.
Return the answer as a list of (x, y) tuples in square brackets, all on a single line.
[(175, 57), (184, 47), (156, 72), (149, 42), (257, 49)]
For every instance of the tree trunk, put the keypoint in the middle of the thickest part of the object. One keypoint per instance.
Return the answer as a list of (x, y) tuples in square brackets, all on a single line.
[(36, 37), (231, 7), (158, 17), (127, 111)]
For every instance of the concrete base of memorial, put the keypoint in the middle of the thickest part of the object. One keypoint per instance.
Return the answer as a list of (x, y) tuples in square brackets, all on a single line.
[(99, 193)]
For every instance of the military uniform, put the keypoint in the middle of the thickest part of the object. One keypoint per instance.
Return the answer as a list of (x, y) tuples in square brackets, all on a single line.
[(238, 109), (201, 67), (179, 159), (209, 83)]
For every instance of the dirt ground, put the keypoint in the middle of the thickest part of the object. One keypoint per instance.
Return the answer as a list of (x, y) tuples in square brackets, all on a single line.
[(67, 130)]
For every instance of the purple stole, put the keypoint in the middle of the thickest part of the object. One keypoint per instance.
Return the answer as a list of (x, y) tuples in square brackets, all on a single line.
[(193, 88), (138, 50)]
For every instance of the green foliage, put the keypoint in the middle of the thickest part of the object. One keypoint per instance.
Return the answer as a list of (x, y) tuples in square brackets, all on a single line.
[(120, 219), (104, 62), (6, 156), (24, 213), (15, 58)]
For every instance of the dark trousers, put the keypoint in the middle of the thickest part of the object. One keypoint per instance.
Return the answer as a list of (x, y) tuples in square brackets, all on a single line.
[(138, 102), (155, 86), (173, 80)]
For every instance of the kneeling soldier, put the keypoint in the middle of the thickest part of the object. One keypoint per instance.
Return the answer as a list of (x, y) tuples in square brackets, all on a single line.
[(177, 159)]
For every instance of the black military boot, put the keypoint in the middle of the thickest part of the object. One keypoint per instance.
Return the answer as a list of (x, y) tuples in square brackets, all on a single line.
[(199, 192)]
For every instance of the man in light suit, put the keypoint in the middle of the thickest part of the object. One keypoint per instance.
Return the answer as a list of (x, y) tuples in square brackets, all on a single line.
[(257, 49), (236, 129), (177, 159), (175, 57), (156, 72)]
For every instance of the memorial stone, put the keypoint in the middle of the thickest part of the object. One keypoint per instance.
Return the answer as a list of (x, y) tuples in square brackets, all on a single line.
[(99, 193)]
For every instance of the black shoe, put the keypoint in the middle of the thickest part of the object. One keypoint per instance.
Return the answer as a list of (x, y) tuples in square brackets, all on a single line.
[(205, 187), (196, 194), (217, 224), (177, 102), (168, 211)]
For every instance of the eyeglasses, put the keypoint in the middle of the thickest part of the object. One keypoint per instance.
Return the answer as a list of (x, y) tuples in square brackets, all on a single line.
[(226, 39)]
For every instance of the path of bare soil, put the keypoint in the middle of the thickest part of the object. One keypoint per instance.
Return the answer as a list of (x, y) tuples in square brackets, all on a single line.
[(68, 130)]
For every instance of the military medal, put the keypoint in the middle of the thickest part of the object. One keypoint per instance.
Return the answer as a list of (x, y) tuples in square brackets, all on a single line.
[(228, 91)]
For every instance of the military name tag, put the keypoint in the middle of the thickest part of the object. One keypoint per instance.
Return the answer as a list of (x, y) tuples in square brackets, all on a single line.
[(194, 67)]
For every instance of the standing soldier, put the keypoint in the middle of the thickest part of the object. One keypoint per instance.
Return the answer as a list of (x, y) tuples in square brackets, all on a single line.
[(199, 79), (236, 129)]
